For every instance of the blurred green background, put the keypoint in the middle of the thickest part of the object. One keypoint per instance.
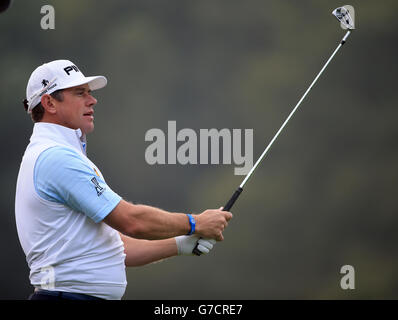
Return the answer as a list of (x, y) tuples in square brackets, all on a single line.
[(326, 195)]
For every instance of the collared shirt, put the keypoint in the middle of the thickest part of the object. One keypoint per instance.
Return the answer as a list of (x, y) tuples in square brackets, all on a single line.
[(60, 203)]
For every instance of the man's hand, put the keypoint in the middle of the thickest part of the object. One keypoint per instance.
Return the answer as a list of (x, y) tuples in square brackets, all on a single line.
[(186, 244), (211, 223)]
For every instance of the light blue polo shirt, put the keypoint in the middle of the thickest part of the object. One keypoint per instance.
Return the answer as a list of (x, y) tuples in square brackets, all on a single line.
[(62, 176)]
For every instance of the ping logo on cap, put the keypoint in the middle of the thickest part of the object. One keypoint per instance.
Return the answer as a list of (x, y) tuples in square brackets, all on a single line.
[(71, 68)]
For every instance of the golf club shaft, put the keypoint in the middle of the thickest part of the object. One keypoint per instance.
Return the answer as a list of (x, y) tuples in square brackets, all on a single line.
[(293, 111), (237, 193)]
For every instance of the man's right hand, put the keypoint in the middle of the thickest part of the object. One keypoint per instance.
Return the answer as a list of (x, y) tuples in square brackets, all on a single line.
[(211, 223)]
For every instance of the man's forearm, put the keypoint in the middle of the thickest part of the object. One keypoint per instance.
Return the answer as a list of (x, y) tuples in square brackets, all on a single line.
[(146, 222), (155, 224), (141, 252), (150, 223)]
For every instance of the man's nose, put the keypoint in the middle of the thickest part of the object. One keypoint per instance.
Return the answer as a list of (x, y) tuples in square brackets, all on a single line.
[(92, 101)]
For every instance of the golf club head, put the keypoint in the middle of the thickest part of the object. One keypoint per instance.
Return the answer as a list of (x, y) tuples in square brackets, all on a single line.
[(4, 5), (346, 16)]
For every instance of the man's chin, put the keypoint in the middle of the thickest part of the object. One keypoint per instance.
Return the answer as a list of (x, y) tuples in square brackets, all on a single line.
[(87, 129)]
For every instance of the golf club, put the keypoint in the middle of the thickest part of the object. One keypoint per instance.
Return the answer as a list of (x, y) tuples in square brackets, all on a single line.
[(345, 15), (4, 5)]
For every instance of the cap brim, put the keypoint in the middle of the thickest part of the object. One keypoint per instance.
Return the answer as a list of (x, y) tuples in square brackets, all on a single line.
[(95, 83)]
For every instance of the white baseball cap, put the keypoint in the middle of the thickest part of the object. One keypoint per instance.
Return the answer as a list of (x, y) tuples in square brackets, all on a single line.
[(56, 75)]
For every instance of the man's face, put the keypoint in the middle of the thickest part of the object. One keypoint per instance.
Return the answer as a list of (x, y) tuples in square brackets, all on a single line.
[(76, 111)]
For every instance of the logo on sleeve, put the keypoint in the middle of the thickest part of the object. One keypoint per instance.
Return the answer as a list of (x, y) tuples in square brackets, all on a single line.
[(100, 190)]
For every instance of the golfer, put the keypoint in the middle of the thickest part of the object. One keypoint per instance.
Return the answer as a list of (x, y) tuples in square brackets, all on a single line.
[(78, 234)]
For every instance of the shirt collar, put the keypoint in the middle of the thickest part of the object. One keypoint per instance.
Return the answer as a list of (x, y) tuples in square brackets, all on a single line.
[(60, 134)]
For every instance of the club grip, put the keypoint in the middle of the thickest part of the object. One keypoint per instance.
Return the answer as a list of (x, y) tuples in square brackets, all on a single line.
[(231, 201), (227, 207)]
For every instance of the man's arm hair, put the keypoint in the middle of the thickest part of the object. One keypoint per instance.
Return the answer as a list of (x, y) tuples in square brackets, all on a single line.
[(140, 252), (150, 223), (146, 222)]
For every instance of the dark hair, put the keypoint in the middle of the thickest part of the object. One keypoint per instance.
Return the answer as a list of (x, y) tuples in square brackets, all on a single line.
[(38, 111)]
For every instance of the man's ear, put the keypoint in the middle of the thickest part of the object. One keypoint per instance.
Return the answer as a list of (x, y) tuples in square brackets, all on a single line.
[(48, 104)]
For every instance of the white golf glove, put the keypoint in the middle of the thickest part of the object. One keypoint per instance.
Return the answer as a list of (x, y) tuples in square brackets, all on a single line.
[(185, 244)]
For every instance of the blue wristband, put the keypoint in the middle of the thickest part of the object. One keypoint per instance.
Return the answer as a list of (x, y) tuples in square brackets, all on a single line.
[(192, 222)]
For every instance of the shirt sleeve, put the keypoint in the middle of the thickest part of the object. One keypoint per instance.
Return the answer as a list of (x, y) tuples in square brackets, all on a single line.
[(62, 176)]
